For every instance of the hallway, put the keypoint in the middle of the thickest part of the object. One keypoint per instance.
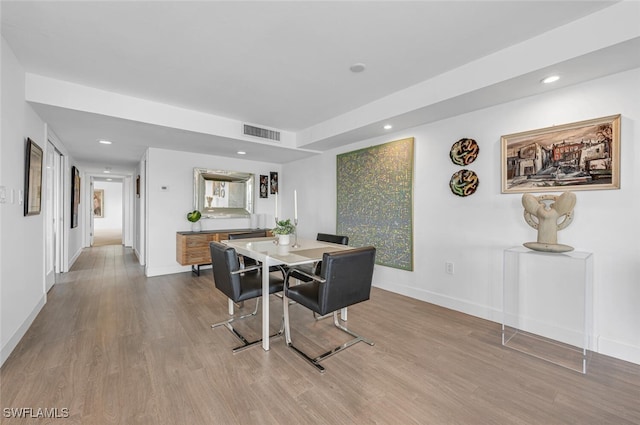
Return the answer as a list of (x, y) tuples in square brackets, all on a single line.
[(102, 237)]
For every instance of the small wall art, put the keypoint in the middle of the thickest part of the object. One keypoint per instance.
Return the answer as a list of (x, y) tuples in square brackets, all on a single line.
[(264, 186), (464, 151), (98, 203), (464, 182), (273, 182), (75, 196), (584, 155), (33, 179)]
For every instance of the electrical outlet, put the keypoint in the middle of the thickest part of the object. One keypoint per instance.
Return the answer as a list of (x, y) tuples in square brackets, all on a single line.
[(449, 267)]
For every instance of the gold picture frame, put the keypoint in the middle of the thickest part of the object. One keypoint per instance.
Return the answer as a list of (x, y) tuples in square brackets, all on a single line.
[(584, 155), (33, 179)]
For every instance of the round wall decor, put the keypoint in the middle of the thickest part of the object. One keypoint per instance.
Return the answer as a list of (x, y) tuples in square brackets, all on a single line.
[(464, 182), (464, 151)]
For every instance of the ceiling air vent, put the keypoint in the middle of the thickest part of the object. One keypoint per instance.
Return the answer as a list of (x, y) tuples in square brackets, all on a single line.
[(263, 133)]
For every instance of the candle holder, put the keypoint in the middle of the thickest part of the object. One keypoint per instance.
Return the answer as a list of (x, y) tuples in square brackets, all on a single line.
[(295, 233), (275, 241)]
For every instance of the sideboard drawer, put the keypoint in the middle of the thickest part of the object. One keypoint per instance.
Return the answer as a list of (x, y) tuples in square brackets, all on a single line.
[(192, 248)]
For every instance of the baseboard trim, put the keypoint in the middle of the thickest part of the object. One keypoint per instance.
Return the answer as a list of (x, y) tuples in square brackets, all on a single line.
[(619, 350), (73, 259), (8, 348), (160, 271), (608, 347), (456, 304)]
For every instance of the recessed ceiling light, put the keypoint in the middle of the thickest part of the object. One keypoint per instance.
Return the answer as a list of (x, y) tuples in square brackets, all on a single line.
[(551, 79), (241, 153), (104, 142), (388, 127), (358, 67), (109, 179)]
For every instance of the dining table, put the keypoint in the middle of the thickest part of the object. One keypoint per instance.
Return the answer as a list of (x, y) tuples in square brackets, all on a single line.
[(268, 252)]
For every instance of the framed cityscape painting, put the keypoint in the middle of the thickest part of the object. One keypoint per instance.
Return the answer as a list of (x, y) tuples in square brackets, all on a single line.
[(583, 155)]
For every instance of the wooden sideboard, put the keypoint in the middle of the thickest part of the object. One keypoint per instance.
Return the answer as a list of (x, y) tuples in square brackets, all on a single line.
[(192, 248)]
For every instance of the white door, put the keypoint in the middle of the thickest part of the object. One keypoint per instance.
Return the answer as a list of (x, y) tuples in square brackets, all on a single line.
[(53, 211)]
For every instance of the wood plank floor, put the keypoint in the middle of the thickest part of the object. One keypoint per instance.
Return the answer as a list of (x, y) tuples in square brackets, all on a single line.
[(115, 347)]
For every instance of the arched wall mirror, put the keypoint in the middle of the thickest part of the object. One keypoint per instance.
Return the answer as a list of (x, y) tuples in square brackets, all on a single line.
[(222, 194)]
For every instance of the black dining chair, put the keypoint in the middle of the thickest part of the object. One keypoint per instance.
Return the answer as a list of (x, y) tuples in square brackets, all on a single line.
[(315, 268), (239, 284), (344, 280), (248, 262)]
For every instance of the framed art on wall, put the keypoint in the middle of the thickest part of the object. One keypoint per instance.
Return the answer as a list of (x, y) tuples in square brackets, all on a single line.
[(273, 176), (98, 203), (33, 179), (75, 196), (583, 155), (375, 200), (264, 186)]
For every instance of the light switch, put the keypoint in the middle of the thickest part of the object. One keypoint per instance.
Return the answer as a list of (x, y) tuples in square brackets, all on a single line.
[(3, 194)]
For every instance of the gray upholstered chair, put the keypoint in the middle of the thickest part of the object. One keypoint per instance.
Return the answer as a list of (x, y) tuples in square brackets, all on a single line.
[(345, 279), (239, 284)]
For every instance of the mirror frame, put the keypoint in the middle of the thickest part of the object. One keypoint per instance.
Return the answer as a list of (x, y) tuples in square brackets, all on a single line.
[(200, 175)]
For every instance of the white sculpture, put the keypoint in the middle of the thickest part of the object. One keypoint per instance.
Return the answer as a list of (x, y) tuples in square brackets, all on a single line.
[(543, 213)]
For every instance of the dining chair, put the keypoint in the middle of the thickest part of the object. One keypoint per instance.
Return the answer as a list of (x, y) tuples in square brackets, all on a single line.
[(344, 280), (248, 262), (239, 284), (315, 268)]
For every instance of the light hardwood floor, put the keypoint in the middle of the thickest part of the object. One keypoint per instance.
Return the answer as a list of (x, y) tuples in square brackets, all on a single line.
[(115, 347)]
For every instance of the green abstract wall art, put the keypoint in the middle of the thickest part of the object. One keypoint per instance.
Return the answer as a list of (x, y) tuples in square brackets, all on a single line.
[(375, 200)]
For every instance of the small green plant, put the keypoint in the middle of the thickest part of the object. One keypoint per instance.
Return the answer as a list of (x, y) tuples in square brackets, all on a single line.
[(283, 227), (194, 216)]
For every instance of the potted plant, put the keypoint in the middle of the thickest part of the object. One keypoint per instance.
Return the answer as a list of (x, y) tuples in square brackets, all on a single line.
[(194, 217), (282, 230)]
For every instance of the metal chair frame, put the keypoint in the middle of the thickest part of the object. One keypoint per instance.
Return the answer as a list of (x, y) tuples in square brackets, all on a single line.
[(315, 361)]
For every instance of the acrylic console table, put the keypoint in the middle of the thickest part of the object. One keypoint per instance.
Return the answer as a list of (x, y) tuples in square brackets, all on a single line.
[(548, 305)]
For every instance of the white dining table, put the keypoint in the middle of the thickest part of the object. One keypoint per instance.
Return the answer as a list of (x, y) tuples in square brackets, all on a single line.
[(270, 254)]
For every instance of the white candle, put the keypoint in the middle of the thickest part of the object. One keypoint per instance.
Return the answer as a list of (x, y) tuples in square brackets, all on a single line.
[(295, 205), (276, 205)]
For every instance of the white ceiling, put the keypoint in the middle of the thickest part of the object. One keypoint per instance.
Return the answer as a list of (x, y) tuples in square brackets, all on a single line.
[(283, 65)]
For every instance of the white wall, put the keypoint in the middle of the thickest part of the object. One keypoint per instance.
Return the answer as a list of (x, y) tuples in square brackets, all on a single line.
[(112, 206), (167, 209), (22, 293), (472, 232)]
